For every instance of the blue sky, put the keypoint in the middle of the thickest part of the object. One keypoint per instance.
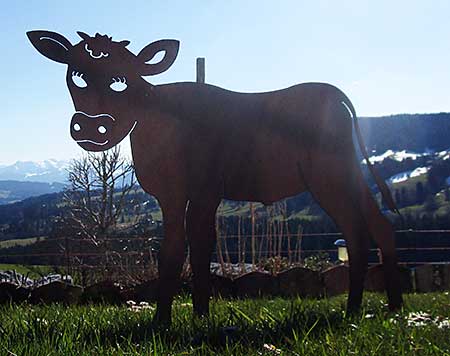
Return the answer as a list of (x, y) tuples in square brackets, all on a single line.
[(388, 56)]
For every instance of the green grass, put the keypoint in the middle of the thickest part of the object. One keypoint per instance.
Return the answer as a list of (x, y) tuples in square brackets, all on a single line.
[(33, 271), (20, 242), (288, 327)]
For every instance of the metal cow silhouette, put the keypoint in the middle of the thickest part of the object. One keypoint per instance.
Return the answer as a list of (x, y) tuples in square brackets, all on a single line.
[(194, 144)]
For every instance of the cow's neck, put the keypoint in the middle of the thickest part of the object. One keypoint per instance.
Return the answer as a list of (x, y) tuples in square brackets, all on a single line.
[(155, 111), (157, 137)]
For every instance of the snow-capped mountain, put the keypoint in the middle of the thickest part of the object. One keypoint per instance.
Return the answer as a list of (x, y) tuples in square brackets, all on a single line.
[(47, 171), (416, 166), (404, 176), (398, 156), (25, 179)]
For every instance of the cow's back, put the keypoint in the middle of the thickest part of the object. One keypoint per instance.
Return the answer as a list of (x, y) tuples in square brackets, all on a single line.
[(250, 143)]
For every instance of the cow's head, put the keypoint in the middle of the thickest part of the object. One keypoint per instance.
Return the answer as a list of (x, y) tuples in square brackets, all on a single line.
[(105, 82)]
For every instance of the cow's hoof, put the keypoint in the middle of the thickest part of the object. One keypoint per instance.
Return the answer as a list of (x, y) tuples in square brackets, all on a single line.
[(395, 305), (353, 309), (161, 322), (201, 313), (395, 299)]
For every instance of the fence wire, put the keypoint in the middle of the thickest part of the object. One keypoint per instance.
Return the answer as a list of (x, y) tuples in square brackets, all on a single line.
[(68, 249)]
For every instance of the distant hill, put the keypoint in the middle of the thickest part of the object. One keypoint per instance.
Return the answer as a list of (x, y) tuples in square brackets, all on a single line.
[(12, 191), (30, 217), (411, 132)]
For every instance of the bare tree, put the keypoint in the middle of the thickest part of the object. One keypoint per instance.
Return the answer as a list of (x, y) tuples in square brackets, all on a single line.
[(96, 197), (107, 228)]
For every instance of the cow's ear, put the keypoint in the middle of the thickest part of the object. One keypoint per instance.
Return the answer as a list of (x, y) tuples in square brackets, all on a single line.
[(170, 48), (50, 44)]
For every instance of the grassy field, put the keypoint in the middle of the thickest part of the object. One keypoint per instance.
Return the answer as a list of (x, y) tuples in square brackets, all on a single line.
[(21, 242), (30, 270), (246, 327)]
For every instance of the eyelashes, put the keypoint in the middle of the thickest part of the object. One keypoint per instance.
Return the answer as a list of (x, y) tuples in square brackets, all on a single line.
[(118, 84), (119, 80), (77, 79)]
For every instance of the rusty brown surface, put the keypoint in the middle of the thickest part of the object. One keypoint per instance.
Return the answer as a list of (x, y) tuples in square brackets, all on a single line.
[(299, 281), (194, 144), (336, 280)]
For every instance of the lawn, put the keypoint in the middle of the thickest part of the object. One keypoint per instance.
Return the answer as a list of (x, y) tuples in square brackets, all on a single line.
[(21, 242), (246, 327), (33, 271)]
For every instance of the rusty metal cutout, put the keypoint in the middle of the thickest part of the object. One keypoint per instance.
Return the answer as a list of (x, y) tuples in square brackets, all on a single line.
[(194, 144)]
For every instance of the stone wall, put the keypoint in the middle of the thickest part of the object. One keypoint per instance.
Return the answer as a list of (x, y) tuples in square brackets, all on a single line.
[(298, 281)]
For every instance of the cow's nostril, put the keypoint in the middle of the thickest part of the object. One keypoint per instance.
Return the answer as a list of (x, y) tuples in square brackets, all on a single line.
[(77, 127), (102, 129)]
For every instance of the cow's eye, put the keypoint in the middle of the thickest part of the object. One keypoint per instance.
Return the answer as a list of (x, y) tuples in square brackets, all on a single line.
[(77, 79), (118, 84)]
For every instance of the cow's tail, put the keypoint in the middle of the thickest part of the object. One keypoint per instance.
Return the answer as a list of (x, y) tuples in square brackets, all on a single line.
[(382, 186)]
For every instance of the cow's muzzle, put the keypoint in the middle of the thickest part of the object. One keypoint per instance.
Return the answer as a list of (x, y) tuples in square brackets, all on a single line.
[(91, 129)]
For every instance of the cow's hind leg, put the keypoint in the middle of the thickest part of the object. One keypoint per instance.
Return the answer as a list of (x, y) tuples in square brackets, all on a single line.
[(201, 233), (337, 191), (344, 194), (383, 233)]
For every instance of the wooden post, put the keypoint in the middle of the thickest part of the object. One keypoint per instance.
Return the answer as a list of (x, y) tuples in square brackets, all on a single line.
[(252, 215), (200, 70)]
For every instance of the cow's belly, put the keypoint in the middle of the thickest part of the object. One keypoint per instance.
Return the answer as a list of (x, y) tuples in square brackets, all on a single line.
[(267, 174), (266, 190)]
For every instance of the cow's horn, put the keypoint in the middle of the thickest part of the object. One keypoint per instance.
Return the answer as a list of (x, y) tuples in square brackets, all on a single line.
[(83, 35)]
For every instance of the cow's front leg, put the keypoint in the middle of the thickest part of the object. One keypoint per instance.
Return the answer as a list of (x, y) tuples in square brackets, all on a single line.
[(201, 233), (171, 258)]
